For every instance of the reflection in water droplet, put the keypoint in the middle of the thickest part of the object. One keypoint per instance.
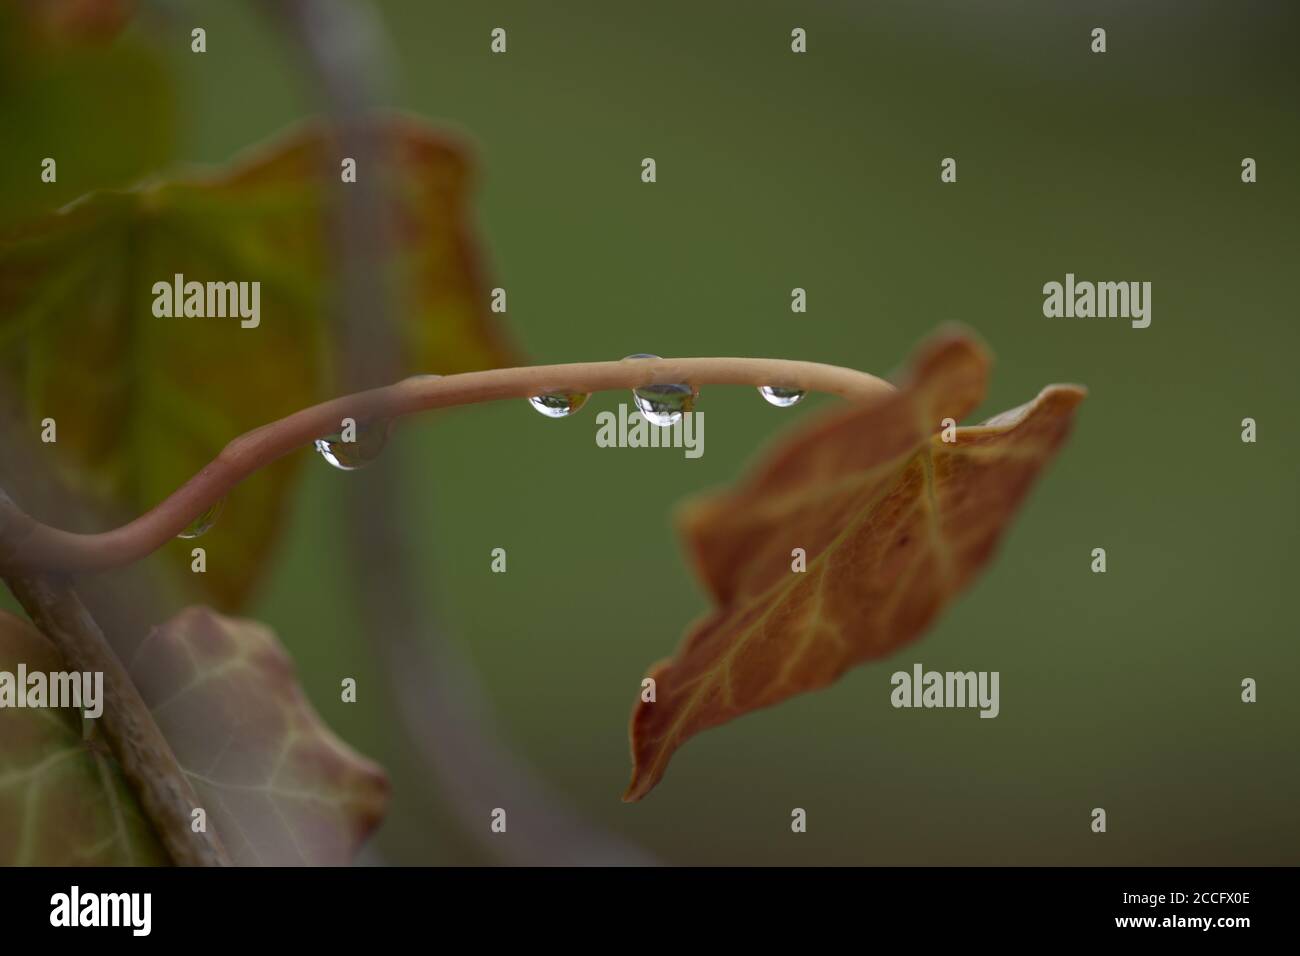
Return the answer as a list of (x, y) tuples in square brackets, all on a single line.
[(204, 522), (662, 405), (781, 397), (558, 404), (368, 442)]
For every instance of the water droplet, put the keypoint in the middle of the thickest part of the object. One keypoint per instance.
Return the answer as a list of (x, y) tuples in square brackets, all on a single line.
[(204, 522), (662, 405), (368, 442), (781, 397), (558, 404)]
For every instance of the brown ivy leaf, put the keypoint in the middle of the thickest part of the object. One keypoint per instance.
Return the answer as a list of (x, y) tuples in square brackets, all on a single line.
[(894, 521), (142, 402), (278, 787)]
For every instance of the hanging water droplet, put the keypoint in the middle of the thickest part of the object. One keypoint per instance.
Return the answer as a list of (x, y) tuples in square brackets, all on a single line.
[(368, 442), (662, 405), (558, 404), (781, 397), (204, 522)]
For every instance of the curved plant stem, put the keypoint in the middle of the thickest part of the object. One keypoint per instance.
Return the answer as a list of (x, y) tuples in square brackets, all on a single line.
[(30, 545)]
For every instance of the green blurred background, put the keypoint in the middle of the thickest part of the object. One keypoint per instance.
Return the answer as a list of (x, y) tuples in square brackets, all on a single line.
[(821, 171)]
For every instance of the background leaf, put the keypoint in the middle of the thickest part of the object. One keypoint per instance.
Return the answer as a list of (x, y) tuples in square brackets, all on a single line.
[(278, 787), (895, 523), (62, 800), (143, 402), (101, 104)]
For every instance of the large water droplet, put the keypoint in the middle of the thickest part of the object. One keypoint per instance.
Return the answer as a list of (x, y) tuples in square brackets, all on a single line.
[(662, 405), (558, 404), (365, 447), (781, 397), (204, 522)]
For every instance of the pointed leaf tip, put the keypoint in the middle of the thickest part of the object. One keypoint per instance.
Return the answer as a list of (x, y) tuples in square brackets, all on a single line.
[(894, 521)]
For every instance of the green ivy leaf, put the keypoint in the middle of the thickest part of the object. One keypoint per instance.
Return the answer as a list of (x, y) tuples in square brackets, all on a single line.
[(63, 801)]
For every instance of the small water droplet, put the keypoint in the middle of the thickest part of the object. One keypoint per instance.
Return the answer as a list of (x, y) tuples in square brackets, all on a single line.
[(369, 441), (558, 404), (204, 522), (662, 405), (781, 397)]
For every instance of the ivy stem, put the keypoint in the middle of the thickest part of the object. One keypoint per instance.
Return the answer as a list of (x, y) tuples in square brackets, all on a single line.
[(146, 759), (28, 545)]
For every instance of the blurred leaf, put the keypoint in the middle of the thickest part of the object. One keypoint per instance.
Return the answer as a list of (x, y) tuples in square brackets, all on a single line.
[(102, 106), (142, 402), (69, 20), (62, 800), (278, 787), (894, 521)]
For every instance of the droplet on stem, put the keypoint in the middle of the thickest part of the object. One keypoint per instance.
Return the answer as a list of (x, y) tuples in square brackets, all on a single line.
[(365, 447), (558, 404), (781, 397), (662, 405), (204, 522)]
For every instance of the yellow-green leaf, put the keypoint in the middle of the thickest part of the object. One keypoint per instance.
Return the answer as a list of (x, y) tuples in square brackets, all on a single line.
[(142, 401), (73, 89)]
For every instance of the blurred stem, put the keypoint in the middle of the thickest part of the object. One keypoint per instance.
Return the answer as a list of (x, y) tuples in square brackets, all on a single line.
[(31, 545), (437, 693), (146, 759)]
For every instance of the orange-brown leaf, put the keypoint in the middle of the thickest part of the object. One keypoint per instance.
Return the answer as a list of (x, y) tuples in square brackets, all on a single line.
[(894, 521)]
